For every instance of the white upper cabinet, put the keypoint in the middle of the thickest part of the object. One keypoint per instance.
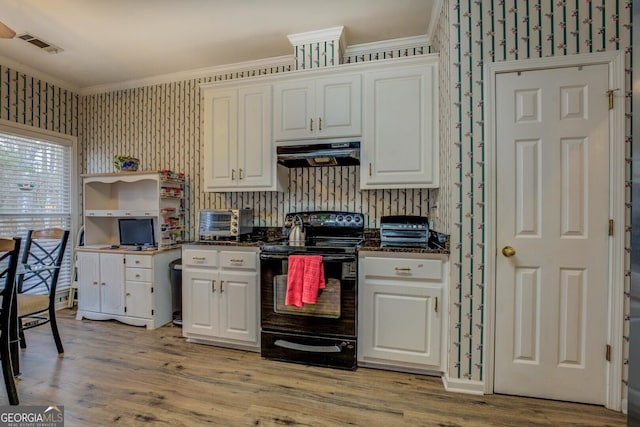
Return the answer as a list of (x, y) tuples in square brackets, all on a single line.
[(238, 150), (400, 144), (325, 107)]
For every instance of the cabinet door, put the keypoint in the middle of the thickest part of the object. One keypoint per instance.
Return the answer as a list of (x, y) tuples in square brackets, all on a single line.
[(255, 149), (239, 306), (112, 283), (400, 143), (88, 281), (339, 106), (220, 125), (294, 110), (200, 290), (401, 322), (138, 301)]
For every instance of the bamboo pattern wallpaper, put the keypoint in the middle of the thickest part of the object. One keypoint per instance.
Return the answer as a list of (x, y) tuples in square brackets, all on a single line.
[(499, 30), (33, 102)]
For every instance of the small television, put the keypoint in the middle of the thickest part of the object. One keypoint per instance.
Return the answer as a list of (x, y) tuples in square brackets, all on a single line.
[(136, 232)]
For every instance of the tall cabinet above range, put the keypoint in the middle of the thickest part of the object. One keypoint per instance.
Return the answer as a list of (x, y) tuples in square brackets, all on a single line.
[(134, 222)]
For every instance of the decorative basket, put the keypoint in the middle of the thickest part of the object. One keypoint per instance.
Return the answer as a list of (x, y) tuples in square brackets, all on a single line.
[(125, 163)]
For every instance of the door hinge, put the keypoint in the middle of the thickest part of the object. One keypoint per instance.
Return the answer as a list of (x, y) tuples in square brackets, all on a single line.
[(152, 312), (151, 289), (610, 227), (125, 309), (610, 95), (436, 305), (607, 354)]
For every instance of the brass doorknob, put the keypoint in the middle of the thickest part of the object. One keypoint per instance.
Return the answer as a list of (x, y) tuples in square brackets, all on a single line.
[(508, 251)]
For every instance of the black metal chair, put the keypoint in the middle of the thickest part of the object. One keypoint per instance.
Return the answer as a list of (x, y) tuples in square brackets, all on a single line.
[(9, 253), (43, 254)]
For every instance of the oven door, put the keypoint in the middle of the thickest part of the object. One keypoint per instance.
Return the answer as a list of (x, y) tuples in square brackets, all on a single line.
[(333, 314)]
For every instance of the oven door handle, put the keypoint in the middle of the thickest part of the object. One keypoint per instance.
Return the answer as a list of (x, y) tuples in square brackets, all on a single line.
[(308, 348), (325, 258)]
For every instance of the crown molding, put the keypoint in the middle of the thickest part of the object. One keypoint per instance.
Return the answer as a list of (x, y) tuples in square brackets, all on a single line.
[(387, 45), (37, 74), (275, 61), (334, 33)]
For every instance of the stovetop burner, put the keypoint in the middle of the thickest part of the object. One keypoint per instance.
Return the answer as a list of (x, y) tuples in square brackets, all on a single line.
[(327, 231)]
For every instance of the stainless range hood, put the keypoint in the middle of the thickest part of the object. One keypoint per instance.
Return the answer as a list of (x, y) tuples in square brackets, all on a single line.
[(314, 154)]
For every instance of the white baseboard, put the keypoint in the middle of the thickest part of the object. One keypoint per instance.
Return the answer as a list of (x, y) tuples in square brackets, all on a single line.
[(458, 385)]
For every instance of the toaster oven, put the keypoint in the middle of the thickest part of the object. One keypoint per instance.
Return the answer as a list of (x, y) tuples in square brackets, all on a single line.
[(220, 224)]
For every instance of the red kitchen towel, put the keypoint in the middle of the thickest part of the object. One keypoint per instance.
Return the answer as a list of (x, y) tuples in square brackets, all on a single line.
[(304, 278), (313, 279)]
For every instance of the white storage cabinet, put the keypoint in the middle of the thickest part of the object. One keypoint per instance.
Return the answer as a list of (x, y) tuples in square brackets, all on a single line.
[(323, 107), (401, 310), (220, 296), (133, 288), (238, 151), (400, 147)]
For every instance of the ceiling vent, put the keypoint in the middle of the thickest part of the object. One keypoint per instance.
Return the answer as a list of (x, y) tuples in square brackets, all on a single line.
[(46, 46)]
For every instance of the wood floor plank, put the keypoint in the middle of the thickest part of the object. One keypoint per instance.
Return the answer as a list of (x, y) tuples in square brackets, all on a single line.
[(115, 374)]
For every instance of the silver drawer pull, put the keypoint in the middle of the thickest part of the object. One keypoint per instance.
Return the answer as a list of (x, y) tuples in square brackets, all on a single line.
[(403, 269), (237, 260), (198, 258)]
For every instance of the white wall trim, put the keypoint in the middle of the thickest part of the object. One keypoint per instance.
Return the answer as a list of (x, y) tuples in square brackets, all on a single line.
[(191, 74), (37, 74), (459, 385), (387, 45), (615, 60)]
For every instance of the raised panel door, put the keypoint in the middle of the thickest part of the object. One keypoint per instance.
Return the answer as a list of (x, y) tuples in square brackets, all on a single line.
[(200, 291), (338, 109), (294, 109), (255, 148), (238, 307), (401, 323), (553, 209), (400, 143), (220, 137)]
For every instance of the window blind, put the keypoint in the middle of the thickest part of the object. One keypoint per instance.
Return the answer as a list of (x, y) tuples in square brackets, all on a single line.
[(35, 190)]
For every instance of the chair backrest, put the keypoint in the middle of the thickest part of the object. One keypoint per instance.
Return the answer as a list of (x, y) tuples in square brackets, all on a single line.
[(9, 253), (43, 248)]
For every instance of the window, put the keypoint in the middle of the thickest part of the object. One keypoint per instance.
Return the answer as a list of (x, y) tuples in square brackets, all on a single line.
[(37, 185)]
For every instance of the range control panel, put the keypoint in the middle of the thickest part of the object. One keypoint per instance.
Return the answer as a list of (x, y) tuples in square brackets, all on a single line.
[(327, 219)]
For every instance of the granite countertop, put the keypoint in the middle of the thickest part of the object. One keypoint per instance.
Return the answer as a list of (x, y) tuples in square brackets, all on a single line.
[(374, 245), (260, 236)]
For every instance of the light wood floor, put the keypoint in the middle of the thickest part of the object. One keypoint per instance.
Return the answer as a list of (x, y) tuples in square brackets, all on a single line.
[(113, 374)]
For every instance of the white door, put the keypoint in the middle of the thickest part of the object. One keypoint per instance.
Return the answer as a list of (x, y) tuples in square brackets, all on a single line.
[(552, 208)]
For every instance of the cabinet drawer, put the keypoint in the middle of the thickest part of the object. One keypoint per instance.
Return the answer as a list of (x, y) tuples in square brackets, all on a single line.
[(430, 269), (140, 261), (200, 257), (244, 260), (138, 274)]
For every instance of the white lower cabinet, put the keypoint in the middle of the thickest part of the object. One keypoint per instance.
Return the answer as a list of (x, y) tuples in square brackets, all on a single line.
[(400, 310), (131, 288), (220, 296)]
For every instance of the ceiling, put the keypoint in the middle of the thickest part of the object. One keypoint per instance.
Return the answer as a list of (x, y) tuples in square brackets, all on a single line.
[(108, 42)]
